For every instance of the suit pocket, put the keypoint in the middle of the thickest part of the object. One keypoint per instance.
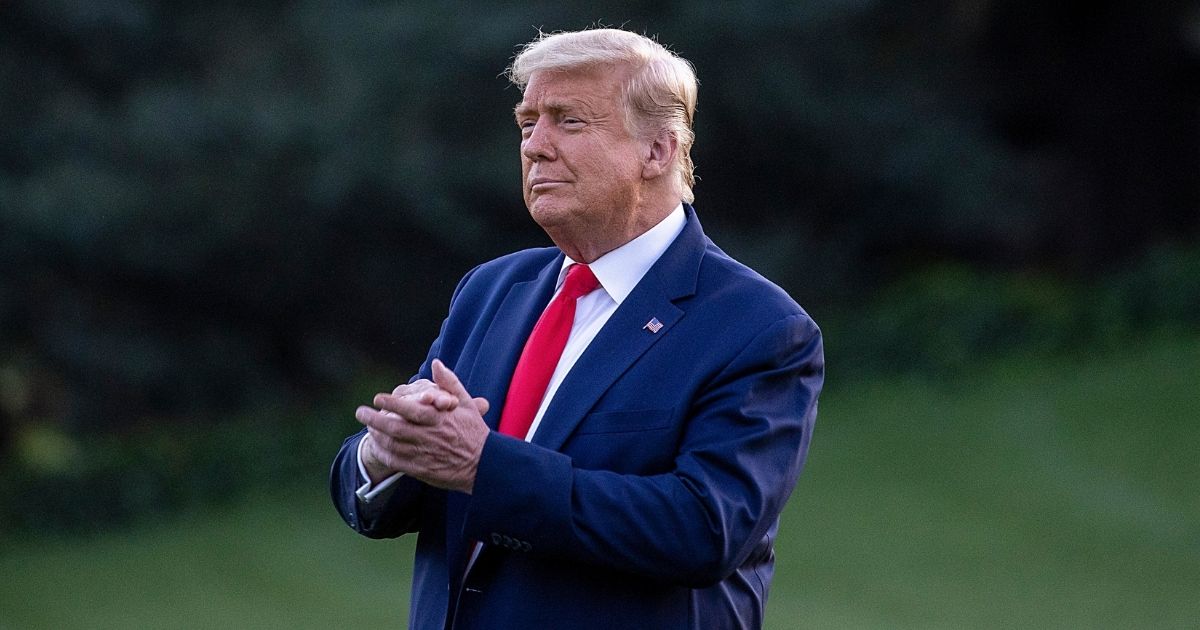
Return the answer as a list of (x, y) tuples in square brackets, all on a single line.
[(635, 421)]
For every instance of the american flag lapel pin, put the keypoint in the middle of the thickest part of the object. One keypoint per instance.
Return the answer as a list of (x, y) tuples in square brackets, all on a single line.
[(653, 325)]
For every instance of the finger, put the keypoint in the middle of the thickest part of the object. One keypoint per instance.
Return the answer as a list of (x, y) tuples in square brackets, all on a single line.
[(411, 410), (414, 387), (381, 421), (403, 405), (400, 426), (448, 381), (439, 399), (482, 405)]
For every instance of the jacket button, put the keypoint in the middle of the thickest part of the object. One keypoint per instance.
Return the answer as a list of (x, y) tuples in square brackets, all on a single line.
[(496, 538)]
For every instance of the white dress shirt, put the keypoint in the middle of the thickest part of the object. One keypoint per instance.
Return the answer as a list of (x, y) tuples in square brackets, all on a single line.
[(618, 271)]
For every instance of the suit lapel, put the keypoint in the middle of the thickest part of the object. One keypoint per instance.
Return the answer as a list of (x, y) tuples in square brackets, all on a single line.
[(625, 336), (490, 376), (502, 344), (617, 346)]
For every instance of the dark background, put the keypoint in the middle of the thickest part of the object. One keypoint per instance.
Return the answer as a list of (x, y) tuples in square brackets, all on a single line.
[(221, 223)]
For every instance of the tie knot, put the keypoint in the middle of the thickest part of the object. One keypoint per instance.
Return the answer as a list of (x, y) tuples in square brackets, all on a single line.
[(580, 282)]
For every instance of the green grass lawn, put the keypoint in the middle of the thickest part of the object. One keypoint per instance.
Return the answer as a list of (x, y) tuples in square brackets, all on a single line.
[(283, 561), (1028, 493)]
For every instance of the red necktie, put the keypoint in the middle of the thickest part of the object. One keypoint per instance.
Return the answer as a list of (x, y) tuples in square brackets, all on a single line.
[(542, 351)]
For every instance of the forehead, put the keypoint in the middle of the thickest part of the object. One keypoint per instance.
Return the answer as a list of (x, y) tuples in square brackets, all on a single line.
[(598, 88)]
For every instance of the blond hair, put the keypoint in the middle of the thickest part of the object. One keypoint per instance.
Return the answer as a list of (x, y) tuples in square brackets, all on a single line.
[(660, 94)]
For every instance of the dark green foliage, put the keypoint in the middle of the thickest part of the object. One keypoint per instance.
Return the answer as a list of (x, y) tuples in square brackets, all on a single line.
[(943, 319), (57, 483)]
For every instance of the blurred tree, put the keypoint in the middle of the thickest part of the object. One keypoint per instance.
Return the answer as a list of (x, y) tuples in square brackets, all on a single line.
[(205, 207), (1104, 99)]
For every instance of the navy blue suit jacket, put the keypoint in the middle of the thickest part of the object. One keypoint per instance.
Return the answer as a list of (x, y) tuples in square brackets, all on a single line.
[(650, 495)]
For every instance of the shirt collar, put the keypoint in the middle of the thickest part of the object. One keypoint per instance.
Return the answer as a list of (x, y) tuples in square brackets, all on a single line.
[(620, 270)]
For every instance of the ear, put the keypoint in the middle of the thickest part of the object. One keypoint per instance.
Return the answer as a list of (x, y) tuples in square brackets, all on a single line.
[(659, 155)]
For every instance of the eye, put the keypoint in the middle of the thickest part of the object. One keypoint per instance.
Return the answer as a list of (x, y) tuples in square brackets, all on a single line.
[(572, 121)]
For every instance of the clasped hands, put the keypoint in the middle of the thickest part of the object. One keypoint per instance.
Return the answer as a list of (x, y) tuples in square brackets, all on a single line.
[(430, 430)]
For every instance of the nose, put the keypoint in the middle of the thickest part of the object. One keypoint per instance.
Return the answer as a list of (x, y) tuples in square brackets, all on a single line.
[(539, 144)]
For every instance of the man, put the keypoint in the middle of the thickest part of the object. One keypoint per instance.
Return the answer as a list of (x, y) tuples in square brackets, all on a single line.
[(623, 463)]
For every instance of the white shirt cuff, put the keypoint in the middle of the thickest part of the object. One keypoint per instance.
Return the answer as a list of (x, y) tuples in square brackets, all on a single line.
[(368, 491)]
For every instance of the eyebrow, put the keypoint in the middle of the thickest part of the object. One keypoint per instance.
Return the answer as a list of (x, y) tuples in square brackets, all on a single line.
[(553, 106), (522, 109)]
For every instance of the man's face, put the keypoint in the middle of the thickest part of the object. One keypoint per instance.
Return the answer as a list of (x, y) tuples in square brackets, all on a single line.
[(581, 168)]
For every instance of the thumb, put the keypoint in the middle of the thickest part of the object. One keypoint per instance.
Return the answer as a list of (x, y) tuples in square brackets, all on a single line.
[(482, 405), (448, 381)]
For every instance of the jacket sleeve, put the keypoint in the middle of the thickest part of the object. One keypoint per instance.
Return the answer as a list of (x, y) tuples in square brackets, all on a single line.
[(739, 457), (397, 511)]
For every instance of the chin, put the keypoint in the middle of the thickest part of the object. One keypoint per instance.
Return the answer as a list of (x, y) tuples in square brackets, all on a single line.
[(549, 214)]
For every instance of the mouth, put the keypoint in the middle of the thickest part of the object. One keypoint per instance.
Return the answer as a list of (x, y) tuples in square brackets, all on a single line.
[(541, 184)]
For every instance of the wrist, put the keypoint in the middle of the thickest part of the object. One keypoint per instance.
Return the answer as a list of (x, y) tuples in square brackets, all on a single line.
[(376, 470)]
